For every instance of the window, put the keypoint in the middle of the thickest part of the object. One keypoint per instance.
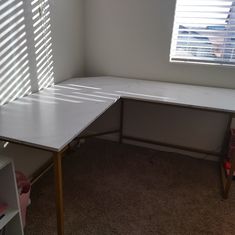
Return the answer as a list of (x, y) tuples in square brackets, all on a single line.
[(204, 32), (26, 62)]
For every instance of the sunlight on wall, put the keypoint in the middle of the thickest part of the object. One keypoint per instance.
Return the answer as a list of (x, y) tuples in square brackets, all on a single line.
[(43, 43), (14, 59), (25, 48)]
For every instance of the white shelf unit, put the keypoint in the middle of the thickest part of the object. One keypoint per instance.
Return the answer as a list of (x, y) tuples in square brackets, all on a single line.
[(11, 222)]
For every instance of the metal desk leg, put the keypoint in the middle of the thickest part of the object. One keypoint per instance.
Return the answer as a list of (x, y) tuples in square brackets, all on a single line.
[(59, 193), (121, 120), (230, 177)]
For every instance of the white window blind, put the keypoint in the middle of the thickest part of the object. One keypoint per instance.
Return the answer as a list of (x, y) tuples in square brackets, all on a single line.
[(204, 32)]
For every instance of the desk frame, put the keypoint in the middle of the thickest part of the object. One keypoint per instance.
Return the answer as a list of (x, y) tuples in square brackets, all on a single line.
[(57, 156), (226, 180)]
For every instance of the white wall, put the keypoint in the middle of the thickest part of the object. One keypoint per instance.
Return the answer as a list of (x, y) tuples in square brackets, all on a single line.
[(131, 38), (68, 50), (68, 36)]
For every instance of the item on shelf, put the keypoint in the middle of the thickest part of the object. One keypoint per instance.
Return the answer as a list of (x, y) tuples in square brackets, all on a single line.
[(24, 188), (227, 167)]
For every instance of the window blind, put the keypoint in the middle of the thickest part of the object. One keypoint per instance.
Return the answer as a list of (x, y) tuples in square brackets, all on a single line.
[(204, 32)]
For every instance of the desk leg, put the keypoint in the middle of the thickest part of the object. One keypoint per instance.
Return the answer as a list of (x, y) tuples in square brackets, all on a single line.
[(230, 177), (121, 121), (59, 193)]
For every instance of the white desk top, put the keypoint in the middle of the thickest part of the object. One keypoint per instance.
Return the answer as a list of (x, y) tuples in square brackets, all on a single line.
[(52, 118)]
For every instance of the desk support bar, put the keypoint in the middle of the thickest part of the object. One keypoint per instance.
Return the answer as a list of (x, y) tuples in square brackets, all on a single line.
[(97, 134), (59, 192), (147, 141)]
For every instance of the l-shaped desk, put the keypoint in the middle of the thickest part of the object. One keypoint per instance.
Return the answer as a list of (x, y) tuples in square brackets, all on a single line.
[(51, 119)]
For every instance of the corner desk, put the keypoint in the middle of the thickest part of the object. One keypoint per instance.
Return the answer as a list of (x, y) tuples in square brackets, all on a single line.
[(52, 118)]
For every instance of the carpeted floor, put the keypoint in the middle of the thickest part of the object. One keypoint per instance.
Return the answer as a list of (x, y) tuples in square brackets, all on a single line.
[(122, 189)]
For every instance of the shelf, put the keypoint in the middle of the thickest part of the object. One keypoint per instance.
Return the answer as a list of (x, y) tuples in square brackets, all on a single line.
[(9, 196), (4, 162), (10, 214)]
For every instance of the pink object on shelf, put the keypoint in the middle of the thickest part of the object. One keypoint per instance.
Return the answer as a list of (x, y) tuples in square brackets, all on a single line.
[(24, 202), (24, 188)]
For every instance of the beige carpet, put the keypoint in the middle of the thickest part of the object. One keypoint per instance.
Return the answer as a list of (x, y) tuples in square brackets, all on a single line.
[(122, 189)]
